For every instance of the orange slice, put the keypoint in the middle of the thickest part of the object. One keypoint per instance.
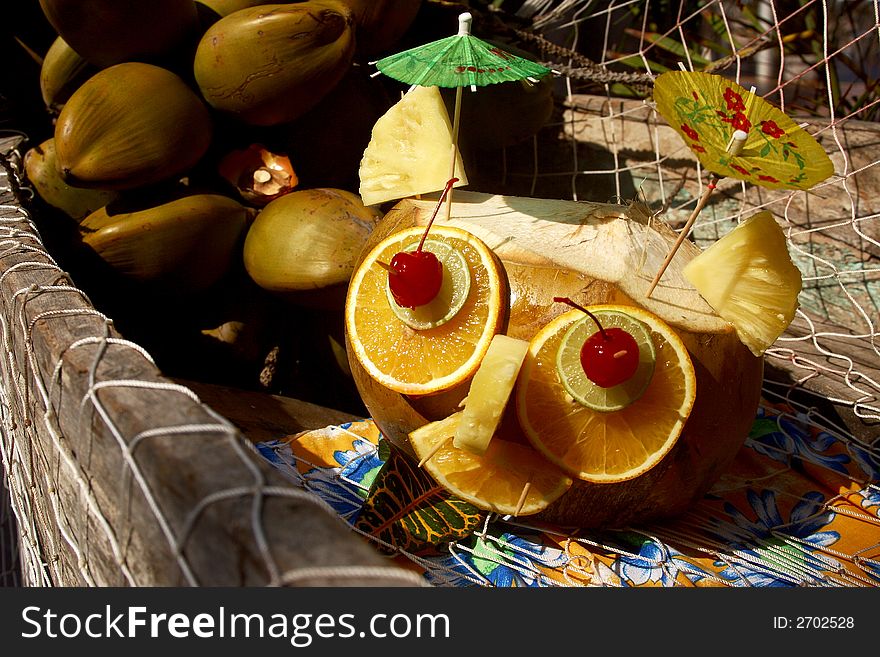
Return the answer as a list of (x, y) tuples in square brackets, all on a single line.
[(509, 478), (422, 362), (595, 445)]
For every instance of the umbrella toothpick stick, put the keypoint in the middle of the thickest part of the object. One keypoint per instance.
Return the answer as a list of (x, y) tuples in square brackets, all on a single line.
[(704, 199), (734, 148), (464, 28), (455, 125)]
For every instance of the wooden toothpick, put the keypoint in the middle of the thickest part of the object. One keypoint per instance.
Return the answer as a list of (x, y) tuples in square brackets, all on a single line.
[(704, 199), (522, 498), (434, 450)]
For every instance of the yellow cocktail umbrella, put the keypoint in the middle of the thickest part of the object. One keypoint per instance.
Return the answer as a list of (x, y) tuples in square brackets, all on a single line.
[(736, 134)]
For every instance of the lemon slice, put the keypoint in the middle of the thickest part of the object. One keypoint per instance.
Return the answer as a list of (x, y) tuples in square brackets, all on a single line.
[(453, 292), (574, 379)]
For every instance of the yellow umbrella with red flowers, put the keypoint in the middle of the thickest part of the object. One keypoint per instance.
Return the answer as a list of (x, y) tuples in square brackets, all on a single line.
[(736, 134)]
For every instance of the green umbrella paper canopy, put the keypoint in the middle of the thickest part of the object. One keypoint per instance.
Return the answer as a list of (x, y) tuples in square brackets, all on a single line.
[(458, 61)]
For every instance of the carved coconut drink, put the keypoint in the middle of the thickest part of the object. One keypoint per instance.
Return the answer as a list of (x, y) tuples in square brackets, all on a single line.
[(592, 254)]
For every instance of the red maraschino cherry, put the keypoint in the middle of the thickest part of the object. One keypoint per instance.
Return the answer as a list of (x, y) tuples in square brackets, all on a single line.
[(415, 277), (610, 356)]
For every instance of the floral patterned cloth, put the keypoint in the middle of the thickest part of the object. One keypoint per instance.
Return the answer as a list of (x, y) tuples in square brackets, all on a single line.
[(800, 506)]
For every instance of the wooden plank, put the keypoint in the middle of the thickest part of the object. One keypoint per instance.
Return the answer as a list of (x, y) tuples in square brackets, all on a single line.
[(261, 416), (135, 480), (10, 569)]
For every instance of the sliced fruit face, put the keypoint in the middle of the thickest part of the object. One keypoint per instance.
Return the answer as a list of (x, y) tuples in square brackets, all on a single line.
[(748, 277), (453, 292), (422, 362), (489, 392), (509, 478), (605, 446), (575, 379), (410, 150)]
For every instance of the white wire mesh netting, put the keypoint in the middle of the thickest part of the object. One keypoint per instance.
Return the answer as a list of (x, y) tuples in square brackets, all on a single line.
[(818, 60)]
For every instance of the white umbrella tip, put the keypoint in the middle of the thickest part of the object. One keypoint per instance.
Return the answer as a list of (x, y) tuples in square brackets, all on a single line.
[(464, 23), (740, 135)]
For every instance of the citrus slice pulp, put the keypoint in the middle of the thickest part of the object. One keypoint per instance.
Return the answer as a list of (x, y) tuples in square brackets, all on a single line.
[(568, 361), (421, 362), (453, 290), (509, 478), (605, 446)]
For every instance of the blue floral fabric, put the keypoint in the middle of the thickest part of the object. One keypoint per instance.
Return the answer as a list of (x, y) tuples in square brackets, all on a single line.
[(800, 506)]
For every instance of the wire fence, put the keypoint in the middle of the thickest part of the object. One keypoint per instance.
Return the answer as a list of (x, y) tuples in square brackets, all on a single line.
[(816, 60)]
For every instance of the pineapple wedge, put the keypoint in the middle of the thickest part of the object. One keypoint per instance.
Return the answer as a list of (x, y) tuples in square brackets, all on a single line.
[(410, 150), (490, 389), (748, 277)]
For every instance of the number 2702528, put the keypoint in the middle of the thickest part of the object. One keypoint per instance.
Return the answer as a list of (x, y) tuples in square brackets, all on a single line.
[(813, 622)]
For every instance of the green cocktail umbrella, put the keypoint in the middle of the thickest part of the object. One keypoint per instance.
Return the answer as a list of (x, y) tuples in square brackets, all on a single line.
[(459, 61)]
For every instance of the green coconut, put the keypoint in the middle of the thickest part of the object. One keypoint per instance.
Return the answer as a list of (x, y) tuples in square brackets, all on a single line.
[(226, 7), (130, 125), (75, 202), (62, 72), (381, 23), (308, 239), (501, 115), (327, 143), (107, 32), (270, 64), (187, 244)]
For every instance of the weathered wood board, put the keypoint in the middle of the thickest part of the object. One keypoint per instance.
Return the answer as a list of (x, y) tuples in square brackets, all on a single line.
[(261, 416), (127, 478)]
